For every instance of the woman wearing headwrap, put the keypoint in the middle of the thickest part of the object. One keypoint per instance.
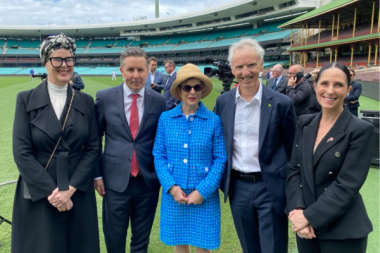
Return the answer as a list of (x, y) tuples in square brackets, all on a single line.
[(55, 145)]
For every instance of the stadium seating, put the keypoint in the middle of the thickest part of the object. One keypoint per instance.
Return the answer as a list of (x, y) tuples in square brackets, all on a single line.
[(9, 71), (222, 43), (189, 37), (158, 49), (227, 33), (23, 43), (150, 41), (122, 43), (22, 51), (26, 71), (1, 43), (81, 43), (103, 50), (266, 28), (80, 50), (102, 43), (200, 45), (273, 36)]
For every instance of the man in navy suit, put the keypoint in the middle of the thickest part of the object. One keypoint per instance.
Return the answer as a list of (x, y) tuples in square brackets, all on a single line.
[(278, 82), (352, 100), (259, 128), (155, 79), (125, 176), (171, 102)]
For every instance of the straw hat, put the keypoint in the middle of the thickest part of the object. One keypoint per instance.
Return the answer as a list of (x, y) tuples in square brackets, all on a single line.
[(189, 71)]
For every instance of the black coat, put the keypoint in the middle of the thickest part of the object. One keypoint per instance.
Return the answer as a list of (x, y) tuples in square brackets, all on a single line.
[(37, 225), (326, 184), (354, 95), (301, 97)]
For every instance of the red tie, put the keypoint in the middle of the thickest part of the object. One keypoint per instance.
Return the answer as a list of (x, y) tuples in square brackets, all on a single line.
[(134, 126)]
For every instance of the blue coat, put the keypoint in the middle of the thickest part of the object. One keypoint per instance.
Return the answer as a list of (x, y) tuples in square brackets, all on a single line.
[(159, 79), (170, 100), (190, 152)]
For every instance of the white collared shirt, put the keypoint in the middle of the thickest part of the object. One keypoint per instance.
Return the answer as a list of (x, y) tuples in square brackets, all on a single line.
[(170, 75), (245, 155), (128, 101), (152, 75)]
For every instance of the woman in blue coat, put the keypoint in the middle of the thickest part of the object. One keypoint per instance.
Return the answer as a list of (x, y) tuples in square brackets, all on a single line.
[(189, 156)]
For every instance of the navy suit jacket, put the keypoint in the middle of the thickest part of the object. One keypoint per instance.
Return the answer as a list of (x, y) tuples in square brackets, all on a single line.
[(170, 100), (354, 94), (276, 136), (159, 79), (115, 163)]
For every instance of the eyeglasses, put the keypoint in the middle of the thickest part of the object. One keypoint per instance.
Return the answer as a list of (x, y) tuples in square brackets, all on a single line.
[(188, 88), (57, 62)]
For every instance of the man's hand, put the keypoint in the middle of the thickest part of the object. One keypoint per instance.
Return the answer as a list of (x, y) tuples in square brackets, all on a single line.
[(71, 82), (153, 85), (61, 199), (178, 194), (292, 81), (307, 232), (68, 206), (195, 198), (99, 186), (298, 220)]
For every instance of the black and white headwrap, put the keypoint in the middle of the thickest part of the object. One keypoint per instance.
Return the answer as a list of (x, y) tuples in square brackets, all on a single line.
[(53, 43)]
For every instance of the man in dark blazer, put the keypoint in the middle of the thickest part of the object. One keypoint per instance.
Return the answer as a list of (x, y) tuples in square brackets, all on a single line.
[(278, 82), (128, 115), (171, 102), (155, 79), (259, 127), (352, 100)]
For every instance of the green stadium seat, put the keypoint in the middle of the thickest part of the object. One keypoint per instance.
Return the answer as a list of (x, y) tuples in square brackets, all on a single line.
[(22, 51), (227, 33), (189, 46), (102, 43)]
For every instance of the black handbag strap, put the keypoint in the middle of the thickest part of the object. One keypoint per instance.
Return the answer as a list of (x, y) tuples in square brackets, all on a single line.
[(63, 128)]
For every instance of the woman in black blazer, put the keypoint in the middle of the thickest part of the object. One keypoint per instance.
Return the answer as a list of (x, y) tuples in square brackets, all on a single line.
[(330, 162), (58, 212)]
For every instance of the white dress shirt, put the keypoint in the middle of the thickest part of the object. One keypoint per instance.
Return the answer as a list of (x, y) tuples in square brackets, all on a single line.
[(58, 96), (245, 155), (128, 101), (152, 75)]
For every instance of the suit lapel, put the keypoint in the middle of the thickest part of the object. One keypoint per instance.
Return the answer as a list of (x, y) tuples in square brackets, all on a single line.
[(265, 114), (46, 119), (231, 106), (147, 104), (333, 136), (309, 134), (119, 100)]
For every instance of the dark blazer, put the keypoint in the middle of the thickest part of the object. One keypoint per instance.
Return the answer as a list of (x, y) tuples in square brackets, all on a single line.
[(301, 97), (170, 100), (115, 163), (37, 225), (354, 94), (77, 82), (327, 183), (281, 86), (277, 130), (159, 79)]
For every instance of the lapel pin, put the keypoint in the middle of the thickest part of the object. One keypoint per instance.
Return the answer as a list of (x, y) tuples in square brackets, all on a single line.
[(331, 139), (269, 105), (337, 154)]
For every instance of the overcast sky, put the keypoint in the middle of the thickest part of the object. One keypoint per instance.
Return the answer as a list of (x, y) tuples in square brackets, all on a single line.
[(72, 12)]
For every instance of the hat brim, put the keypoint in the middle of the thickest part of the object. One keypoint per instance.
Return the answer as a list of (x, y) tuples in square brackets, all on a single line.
[(203, 78)]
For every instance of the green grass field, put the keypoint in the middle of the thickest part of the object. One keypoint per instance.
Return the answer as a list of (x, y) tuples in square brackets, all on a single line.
[(10, 86)]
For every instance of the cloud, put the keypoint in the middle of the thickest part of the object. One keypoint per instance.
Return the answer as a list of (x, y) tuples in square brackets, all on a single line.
[(73, 12)]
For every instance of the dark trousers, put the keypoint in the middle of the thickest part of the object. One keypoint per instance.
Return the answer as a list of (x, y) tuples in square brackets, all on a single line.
[(332, 246), (354, 111), (259, 227), (138, 203)]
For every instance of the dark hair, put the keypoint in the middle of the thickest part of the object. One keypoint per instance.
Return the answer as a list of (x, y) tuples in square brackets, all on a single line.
[(170, 62), (152, 59), (335, 65), (353, 71)]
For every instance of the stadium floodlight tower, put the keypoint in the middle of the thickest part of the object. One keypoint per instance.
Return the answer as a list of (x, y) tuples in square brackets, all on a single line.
[(157, 9)]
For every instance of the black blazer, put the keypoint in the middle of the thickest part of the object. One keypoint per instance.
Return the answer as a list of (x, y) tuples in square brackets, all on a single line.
[(354, 94), (281, 86), (326, 184), (276, 136), (115, 162)]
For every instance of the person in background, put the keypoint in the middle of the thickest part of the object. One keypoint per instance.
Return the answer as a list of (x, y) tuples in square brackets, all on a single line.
[(352, 100), (76, 82), (31, 74), (278, 82), (189, 156), (54, 206), (171, 102), (113, 76), (330, 161), (299, 90), (155, 79)]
